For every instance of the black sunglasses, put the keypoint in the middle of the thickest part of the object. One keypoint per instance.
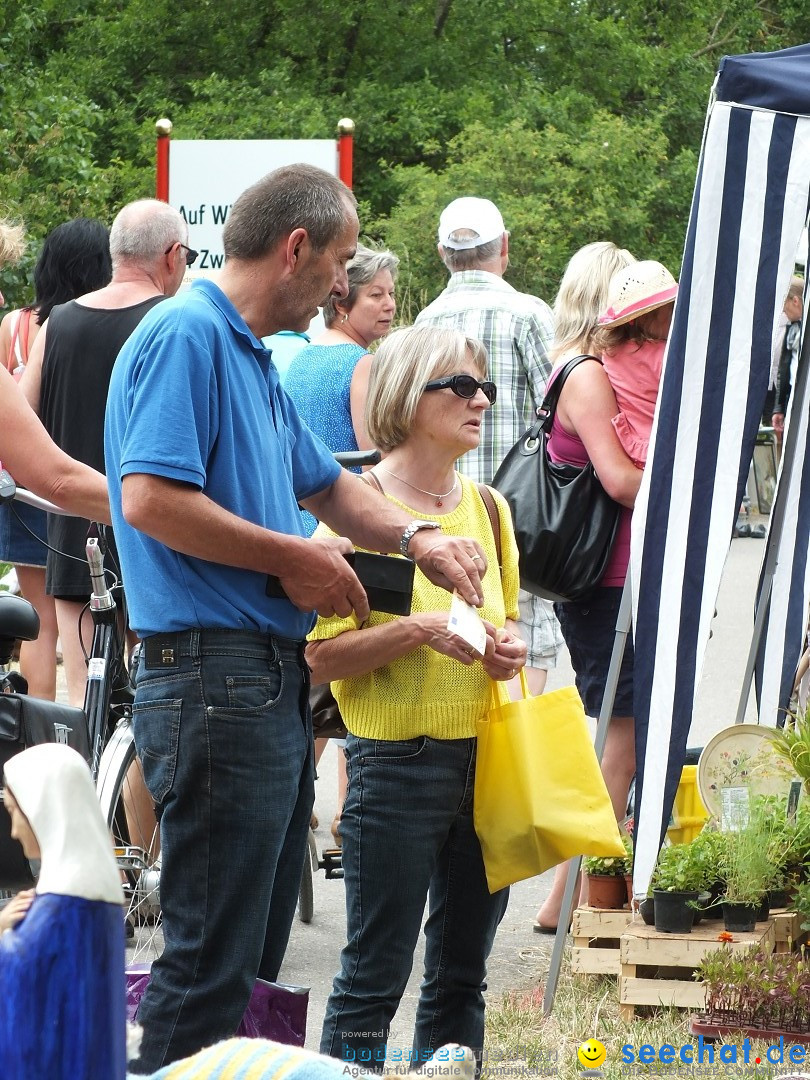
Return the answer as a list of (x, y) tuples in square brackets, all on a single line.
[(191, 254), (464, 386)]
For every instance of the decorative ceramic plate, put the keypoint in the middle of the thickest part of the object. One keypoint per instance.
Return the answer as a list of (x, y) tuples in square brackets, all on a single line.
[(739, 758)]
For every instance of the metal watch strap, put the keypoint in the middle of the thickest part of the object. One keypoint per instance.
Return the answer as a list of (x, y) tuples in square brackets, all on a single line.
[(412, 530)]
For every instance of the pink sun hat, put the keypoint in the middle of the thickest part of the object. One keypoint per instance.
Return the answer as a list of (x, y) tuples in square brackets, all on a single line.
[(637, 289)]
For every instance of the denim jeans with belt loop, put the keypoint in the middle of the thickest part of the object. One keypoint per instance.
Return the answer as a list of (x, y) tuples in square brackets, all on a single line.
[(408, 836), (223, 731)]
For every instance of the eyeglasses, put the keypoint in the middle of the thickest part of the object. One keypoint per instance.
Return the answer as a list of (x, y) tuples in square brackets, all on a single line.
[(464, 386), (191, 254)]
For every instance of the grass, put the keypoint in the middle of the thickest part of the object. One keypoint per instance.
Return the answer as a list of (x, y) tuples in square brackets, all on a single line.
[(521, 1042)]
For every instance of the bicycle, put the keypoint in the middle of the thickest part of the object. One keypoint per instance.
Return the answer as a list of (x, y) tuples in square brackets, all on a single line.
[(109, 695), (113, 758)]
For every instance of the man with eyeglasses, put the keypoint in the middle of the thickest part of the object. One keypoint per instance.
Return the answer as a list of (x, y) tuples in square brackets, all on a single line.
[(517, 330), (66, 381)]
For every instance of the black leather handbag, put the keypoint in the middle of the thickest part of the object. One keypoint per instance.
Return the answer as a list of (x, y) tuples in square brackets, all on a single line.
[(565, 522), (27, 721)]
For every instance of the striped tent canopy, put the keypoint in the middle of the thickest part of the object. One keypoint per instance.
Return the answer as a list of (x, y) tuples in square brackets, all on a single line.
[(749, 209)]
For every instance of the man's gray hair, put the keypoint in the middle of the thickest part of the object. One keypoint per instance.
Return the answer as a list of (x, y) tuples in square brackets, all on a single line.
[(142, 231), (293, 197), (363, 268), (471, 258), (796, 287)]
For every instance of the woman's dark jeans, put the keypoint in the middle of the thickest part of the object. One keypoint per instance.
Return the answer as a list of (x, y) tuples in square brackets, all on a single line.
[(408, 837)]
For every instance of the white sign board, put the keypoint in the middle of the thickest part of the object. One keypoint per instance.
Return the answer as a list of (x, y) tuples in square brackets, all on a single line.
[(207, 175)]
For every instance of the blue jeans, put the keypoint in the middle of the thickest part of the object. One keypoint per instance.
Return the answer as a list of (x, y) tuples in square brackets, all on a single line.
[(225, 741), (408, 836)]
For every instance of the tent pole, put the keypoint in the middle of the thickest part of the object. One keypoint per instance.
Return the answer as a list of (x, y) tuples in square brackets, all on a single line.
[(623, 624), (778, 511)]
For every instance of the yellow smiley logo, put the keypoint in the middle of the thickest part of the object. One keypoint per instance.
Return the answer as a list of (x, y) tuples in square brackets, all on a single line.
[(591, 1054)]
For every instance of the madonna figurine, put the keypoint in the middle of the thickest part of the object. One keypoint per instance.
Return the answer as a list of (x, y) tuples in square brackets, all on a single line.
[(62, 948)]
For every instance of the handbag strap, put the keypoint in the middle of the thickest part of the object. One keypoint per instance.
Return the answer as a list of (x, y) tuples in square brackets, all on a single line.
[(545, 412), (494, 518), (372, 481)]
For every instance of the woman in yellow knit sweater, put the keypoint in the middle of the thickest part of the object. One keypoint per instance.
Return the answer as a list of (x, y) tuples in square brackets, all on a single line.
[(410, 692)]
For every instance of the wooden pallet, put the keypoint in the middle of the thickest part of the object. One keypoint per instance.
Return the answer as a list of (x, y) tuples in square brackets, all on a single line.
[(788, 931), (596, 935), (656, 969)]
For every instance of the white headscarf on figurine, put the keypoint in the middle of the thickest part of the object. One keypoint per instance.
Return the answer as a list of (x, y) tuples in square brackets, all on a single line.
[(52, 786)]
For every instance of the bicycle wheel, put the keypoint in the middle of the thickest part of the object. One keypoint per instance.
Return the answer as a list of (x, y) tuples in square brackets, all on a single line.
[(129, 813), (306, 894)]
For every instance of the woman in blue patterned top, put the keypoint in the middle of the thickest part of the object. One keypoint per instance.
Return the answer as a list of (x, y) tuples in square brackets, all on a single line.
[(328, 380)]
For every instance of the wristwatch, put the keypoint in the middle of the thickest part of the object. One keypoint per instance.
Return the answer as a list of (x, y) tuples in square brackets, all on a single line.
[(411, 531)]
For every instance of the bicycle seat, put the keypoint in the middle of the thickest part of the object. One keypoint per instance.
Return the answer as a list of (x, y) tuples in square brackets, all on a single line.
[(18, 622)]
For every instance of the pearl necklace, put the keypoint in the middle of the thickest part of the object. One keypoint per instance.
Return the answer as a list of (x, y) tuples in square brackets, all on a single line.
[(433, 494)]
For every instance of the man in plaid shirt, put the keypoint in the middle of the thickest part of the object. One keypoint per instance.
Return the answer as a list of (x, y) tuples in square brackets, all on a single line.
[(517, 330)]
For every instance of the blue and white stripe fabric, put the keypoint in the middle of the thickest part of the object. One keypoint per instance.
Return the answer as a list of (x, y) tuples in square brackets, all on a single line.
[(749, 207)]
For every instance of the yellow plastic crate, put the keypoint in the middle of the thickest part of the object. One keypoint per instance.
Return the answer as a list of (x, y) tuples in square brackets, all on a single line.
[(688, 814)]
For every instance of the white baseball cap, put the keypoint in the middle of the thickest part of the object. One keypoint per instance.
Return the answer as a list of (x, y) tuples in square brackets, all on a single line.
[(479, 216)]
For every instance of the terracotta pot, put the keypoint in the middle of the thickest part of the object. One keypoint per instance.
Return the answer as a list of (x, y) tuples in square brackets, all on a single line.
[(606, 891), (628, 881)]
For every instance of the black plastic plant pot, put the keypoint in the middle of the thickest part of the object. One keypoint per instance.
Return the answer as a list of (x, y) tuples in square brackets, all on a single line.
[(714, 906), (703, 900), (740, 918), (764, 909), (647, 909), (778, 898), (673, 914)]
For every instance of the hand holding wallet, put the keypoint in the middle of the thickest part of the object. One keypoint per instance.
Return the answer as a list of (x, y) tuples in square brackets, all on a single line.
[(388, 581)]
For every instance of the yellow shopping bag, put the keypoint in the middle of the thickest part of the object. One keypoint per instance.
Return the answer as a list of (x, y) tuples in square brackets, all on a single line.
[(539, 793)]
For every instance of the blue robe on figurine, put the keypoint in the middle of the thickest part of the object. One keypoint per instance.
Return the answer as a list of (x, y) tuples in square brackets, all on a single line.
[(62, 995)]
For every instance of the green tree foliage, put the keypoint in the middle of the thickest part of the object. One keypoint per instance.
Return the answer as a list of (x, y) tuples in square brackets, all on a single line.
[(582, 119)]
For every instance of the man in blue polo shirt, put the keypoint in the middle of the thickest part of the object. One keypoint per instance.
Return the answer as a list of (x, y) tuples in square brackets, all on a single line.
[(207, 461)]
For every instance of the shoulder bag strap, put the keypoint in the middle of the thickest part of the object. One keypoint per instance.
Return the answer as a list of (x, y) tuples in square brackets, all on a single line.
[(11, 361), (545, 412), (494, 518), (25, 331), (372, 481)]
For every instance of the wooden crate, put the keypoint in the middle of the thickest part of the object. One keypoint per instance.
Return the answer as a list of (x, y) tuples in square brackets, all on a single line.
[(788, 931), (596, 935), (656, 969)]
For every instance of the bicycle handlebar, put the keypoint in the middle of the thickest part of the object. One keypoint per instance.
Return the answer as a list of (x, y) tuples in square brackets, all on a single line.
[(101, 598)]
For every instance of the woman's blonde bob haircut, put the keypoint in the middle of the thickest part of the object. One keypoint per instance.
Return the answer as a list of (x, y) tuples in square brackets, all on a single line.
[(583, 294), (406, 360)]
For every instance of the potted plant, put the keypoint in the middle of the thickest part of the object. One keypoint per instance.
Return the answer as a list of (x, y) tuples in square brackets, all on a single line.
[(681, 874), (789, 846), (801, 903), (707, 852), (750, 869), (765, 995), (792, 743), (607, 887)]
